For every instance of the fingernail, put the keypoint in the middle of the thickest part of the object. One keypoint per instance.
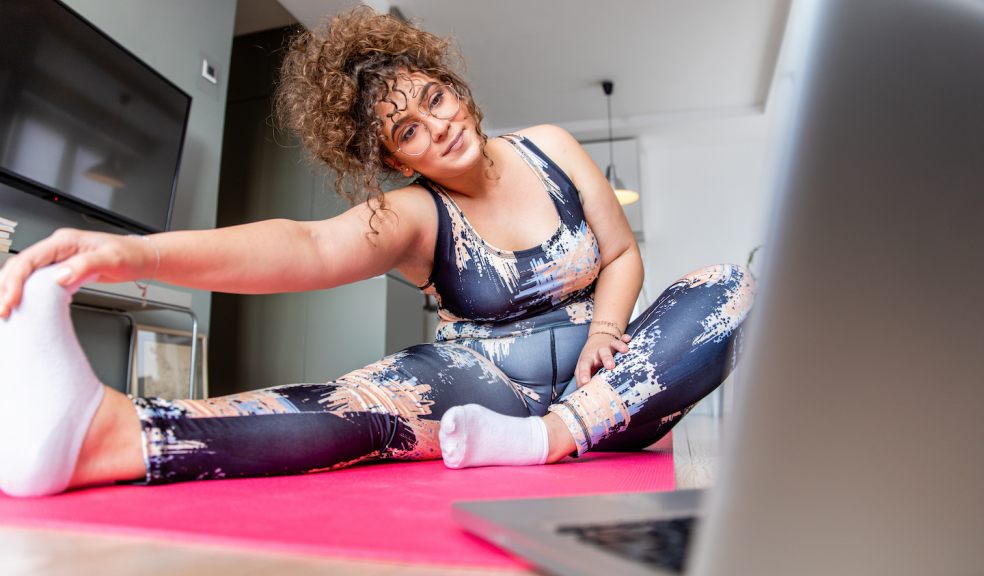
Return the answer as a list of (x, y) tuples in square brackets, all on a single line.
[(62, 273)]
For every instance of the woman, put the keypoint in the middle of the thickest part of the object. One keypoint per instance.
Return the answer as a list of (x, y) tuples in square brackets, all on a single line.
[(520, 238)]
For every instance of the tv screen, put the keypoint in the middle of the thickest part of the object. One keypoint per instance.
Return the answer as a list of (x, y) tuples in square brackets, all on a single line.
[(83, 122)]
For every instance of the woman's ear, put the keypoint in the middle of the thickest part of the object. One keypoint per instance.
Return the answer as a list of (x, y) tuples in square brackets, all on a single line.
[(392, 163), (395, 165)]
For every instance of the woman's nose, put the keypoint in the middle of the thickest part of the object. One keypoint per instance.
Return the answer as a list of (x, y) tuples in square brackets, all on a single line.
[(438, 127)]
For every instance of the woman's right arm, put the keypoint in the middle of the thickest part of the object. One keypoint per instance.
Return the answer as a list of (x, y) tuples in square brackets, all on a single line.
[(256, 258)]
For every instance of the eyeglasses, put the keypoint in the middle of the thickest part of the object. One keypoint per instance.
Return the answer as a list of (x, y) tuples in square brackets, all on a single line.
[(413, 137)]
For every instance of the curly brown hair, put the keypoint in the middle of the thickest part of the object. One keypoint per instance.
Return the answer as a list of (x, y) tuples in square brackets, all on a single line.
[(332, 78)]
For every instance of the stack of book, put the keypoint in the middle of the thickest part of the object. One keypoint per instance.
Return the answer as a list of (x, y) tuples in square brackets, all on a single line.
[(6, 233)]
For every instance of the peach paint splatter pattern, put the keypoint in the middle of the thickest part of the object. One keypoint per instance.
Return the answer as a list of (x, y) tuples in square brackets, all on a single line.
[(511, 327), (607, 404)]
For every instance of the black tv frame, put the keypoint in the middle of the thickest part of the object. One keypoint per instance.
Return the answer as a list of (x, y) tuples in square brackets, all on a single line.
[(50, 194)]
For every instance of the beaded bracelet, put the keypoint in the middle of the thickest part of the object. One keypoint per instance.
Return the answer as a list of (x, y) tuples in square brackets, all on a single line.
[(143, 287)]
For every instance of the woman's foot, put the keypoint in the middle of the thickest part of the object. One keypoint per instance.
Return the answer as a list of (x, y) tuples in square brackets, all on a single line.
[(472, 435), (48, 391)]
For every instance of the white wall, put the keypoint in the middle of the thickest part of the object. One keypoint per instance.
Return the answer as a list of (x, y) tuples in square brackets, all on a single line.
[(704, 192), (705, 195), (707, 179)]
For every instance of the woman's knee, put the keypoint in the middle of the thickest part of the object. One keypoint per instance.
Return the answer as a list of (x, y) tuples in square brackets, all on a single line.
[(442, 375), (736, 280), (732, 289), (719, 297), (685, 340)]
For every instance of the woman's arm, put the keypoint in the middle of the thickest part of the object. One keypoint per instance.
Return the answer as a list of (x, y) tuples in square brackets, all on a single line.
[(260, 257), (621, 274)]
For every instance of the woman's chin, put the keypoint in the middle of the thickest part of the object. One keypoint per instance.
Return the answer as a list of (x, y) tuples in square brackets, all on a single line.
[(460, 161)]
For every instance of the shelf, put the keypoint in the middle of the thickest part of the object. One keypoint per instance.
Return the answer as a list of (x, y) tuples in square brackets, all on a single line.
[(124, 298)]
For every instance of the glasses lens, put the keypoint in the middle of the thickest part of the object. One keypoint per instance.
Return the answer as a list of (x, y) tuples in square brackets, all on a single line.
[(413, 138), (442, 102)]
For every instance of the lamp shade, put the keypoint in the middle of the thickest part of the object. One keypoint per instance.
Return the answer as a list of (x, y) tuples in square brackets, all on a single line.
[(623, 194)]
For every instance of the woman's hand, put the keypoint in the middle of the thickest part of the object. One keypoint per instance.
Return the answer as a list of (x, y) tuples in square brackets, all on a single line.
[(108, 257), (597, 352)]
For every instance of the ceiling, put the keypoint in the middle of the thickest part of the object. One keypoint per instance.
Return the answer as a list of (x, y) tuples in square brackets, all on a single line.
[(542, 61), (257, 15)]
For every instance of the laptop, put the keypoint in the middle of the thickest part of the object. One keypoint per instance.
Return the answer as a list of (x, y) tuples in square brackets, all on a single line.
[(857, 441)]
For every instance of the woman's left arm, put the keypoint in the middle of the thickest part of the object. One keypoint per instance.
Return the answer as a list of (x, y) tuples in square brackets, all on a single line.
[(621, 273)]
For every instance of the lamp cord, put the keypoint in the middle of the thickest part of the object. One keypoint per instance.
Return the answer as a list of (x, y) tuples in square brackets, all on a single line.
[(608, 86), (611, 145)]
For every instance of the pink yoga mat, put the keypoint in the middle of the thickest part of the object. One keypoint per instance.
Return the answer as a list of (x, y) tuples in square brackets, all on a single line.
[(391, 511)]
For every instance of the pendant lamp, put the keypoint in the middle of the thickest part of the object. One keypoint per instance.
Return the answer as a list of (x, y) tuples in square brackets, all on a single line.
[(624, 195)]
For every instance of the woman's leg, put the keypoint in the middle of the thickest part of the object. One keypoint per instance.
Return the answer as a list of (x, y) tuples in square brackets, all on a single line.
[(48, 392), (388, 410), (60, 428), (112, 450), (682, 348)]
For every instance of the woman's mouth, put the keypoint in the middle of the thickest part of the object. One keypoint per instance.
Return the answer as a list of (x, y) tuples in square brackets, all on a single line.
[(455, 144)]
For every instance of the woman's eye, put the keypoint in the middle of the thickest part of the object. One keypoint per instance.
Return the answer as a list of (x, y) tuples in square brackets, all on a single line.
[(436, 99), (408, 133)]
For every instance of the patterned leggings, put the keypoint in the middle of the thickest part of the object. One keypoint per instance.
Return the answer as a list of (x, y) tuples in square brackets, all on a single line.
[(681, 349)]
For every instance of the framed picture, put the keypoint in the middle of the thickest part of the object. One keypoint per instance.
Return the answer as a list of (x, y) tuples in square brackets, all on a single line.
[(161, 363)]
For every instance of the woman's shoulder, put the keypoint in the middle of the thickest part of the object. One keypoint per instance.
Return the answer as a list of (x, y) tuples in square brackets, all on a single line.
[(415, 205), (547, 136), (555, 142), (416, 225), (561, 147), (413, 200)]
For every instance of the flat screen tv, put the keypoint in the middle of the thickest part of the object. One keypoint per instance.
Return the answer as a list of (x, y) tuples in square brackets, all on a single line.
[(83, 122)]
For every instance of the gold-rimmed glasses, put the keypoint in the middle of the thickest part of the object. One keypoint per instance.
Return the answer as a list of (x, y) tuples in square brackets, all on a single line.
[(411, 135)]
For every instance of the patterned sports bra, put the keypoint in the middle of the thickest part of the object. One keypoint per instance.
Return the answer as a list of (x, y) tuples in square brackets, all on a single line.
[(484, 292)]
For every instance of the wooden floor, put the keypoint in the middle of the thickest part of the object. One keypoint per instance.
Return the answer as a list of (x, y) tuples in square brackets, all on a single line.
[(35, 553), (695, 450)]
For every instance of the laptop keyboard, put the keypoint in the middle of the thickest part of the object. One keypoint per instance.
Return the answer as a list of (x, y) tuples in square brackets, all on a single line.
[(657, 543)]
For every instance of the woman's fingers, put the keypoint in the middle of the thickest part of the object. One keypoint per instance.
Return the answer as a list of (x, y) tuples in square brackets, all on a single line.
[(593, 358), (620, 346), (605, 355), (80, 255), (587, 365), (79, 268), (12, 281), (18, 268), (583, 370)]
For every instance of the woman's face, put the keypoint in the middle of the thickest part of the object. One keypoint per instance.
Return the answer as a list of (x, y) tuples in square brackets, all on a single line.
[(427, 128)]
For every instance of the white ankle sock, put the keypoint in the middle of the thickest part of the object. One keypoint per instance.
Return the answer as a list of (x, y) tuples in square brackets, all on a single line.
[(472, 435), (48, 391)]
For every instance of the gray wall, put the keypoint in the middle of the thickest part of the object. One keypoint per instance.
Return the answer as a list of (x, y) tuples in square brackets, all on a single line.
[(171, 37), (266, 340)]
